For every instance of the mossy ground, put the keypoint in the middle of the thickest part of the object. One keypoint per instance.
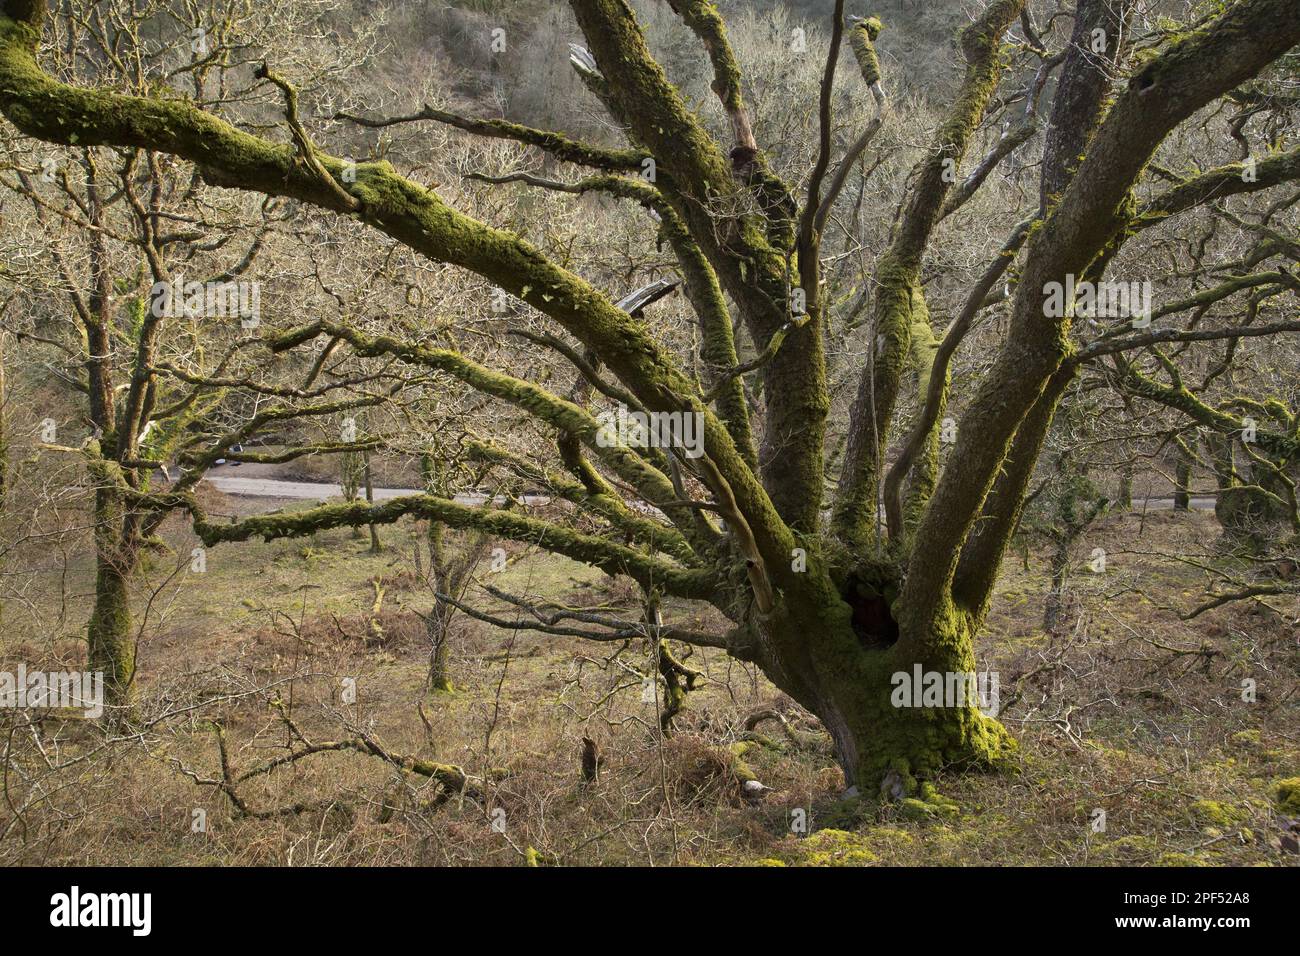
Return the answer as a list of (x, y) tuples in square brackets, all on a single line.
[(1107, 718)]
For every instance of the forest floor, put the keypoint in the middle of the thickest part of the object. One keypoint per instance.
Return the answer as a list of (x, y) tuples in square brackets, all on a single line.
[(1130, 711)]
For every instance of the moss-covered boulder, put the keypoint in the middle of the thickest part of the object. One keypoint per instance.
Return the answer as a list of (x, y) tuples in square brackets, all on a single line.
[(1287, 794)]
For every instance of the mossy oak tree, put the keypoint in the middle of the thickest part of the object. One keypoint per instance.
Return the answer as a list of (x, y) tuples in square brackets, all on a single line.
[(875, 595)]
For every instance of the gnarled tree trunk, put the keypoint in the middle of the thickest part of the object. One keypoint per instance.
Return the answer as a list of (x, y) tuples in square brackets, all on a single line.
[(859, 686)]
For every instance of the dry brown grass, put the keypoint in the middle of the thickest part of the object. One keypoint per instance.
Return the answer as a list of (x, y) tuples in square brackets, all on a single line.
[(1131, 710)]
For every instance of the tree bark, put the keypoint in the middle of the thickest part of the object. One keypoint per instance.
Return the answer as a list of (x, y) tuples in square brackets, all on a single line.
[(439, 632), (1055, 602), (110, 639), (1182, 481), (821, 652), (1124, 488), (376, 545)]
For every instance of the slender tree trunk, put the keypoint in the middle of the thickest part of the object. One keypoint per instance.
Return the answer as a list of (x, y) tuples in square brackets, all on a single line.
[(110, 637), (1124, 487), (438, 623), (1183, 483), (439, 632), (350, 481), (375, 544), (111, 643), (450, 570), (1055, 602)]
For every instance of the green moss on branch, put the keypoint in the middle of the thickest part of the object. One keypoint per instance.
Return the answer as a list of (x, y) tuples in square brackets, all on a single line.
[(610, 557)]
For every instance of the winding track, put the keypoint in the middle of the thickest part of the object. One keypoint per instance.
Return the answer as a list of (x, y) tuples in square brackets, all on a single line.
[(228, 482)]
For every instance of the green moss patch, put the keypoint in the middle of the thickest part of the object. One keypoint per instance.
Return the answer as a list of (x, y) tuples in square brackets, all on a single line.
[(1287, 794)]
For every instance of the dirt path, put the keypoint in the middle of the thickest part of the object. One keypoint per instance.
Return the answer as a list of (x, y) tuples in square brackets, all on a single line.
[(246, 481), (253, 481)]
